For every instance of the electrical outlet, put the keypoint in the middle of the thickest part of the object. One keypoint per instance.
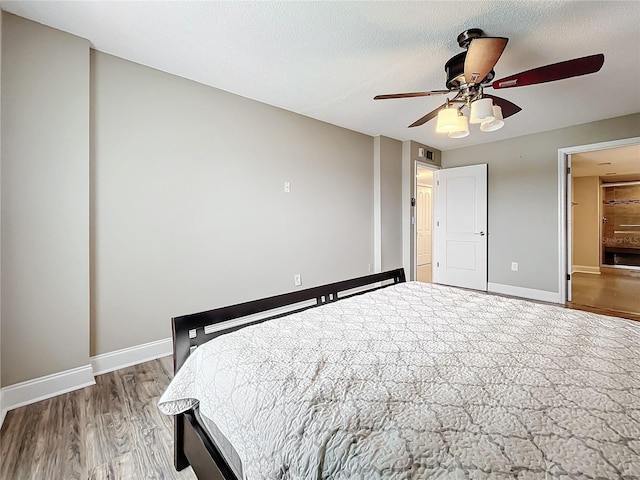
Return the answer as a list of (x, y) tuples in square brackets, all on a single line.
[(287, 187), (297, 280), (514, 266)]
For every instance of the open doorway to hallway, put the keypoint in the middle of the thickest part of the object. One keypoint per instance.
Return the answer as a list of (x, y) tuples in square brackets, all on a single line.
[(605, 231), (424, 223)]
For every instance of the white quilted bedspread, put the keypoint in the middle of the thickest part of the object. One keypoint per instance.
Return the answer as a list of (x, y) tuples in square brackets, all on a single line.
[(419, 381)]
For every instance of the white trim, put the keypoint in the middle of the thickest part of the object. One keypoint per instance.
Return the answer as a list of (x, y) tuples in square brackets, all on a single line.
[(585, 269), (618, 184), (562, 224), (3, 411), (562, 201), (108, 362), (568, 178), (32, 391), (530, 293), (414, 212)]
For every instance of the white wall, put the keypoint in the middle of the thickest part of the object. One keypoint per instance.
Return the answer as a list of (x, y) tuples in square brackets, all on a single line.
[(45, 201), (523, 197), (190, 212)]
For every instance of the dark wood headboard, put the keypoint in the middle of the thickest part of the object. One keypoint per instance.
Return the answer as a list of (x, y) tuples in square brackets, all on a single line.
[(189, 330), (192, 444)]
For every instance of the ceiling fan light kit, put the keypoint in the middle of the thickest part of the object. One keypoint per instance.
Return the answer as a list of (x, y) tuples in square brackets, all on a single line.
[(447, 120), (463, 128), (496, 124), (481, 111), (469, 72)]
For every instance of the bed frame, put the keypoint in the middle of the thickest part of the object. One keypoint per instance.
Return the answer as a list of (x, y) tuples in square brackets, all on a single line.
[(192, 444)]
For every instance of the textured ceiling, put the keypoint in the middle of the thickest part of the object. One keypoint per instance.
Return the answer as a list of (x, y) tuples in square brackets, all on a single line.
[(611, 162), (327, 60)]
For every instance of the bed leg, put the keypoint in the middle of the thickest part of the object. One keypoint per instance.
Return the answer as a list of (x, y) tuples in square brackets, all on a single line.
[(179, 459)]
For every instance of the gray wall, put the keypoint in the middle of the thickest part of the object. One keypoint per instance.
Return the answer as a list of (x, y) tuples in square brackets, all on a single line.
[(45, 200), (190, 211), (388, 158), (155, 196), (183, 185), (523, 197), (437, 154)]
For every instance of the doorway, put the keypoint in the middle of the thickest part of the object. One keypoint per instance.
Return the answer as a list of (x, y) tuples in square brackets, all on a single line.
[(603, 228), (424, 223)]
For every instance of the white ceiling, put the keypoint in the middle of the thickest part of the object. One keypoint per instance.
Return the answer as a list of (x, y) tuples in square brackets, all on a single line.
[(327, 60), (611, 164)]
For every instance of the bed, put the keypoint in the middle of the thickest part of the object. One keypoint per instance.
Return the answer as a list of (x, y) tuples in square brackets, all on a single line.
[(404, 381)]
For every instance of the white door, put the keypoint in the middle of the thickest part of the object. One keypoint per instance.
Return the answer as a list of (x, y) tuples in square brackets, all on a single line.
[(424, 224), (461, 227)]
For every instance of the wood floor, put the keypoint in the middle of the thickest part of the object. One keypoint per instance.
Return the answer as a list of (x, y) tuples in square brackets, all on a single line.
[(112, 430), (607, 293)]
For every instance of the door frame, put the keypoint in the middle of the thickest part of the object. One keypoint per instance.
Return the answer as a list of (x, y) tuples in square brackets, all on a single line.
[(414, 229), (564, 250)]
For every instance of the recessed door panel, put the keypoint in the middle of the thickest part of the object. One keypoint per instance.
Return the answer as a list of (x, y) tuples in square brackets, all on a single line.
[(461, 256), (424, 226), (461, 192)]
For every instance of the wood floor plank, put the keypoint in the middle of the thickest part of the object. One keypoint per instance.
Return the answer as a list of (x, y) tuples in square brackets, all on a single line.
[(21, 443), (120, 468), (71, 447), (607, 293), (111, 430)]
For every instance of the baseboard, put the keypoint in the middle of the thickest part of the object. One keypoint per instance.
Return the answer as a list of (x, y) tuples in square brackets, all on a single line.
[(3, 411), (32, 391), (529, 293), (585, 269), (108, 362)]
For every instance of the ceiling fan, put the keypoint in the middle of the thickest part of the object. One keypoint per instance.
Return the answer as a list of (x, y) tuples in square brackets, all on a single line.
[(470, 72)]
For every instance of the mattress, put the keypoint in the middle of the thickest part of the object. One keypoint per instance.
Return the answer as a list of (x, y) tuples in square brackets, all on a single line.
[(224, 446), (416, 381)]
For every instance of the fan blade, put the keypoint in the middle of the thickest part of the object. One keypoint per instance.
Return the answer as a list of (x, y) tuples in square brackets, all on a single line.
[(429, 116), (482, 56), (553, 72), (411, 95), (507, 107)]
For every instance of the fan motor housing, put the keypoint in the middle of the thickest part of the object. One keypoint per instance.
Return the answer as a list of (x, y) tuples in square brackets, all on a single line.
[(464, 39), (455, 72)]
